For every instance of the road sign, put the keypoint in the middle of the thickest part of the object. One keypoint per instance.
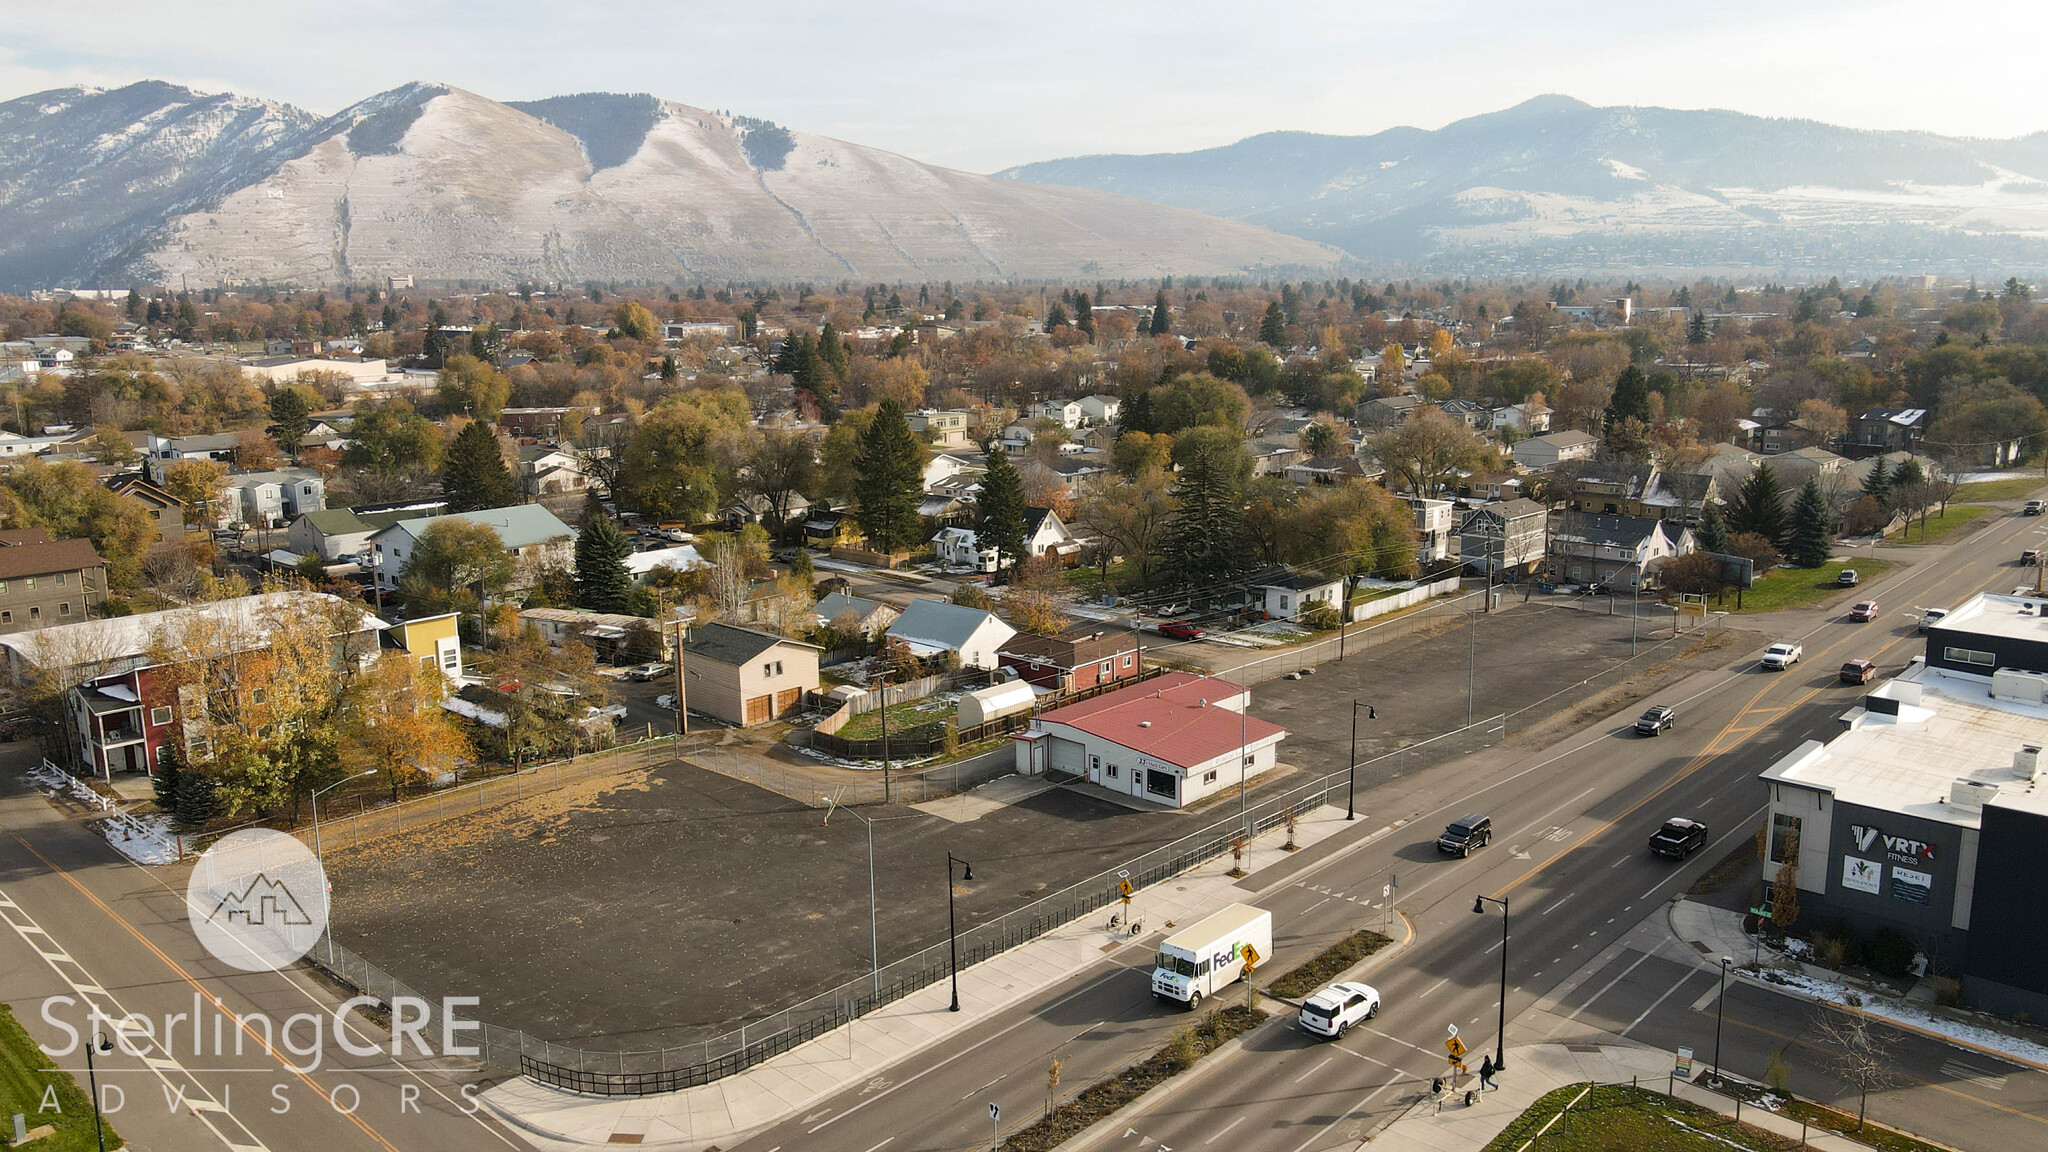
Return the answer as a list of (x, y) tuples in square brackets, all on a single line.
[(1123, 889), (1251, 956), (1386, 890), (1455, 1047), (1451, 1030), (1763, 912), (995, 1112), (1684, 1069)]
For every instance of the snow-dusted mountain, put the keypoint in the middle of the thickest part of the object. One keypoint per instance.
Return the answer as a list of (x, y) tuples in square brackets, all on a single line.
[(155, 182), (1554, 184)]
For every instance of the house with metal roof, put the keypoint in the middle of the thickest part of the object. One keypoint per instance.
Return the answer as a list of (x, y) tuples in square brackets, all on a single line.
[(868, 616), (1171, 741), (935, 627), (536, 537), (746, 677)]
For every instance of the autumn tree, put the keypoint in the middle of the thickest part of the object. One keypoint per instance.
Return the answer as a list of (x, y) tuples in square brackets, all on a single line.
[(455, 564), (633, 321), (1426, 452), (474, 475), (471, 387), (682, 452), (68, 500), (782, 466), (394, 725), (1132, 515), (198, 485)]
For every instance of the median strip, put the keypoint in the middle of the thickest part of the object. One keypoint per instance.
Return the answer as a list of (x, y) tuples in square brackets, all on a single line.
[(1327, 965)]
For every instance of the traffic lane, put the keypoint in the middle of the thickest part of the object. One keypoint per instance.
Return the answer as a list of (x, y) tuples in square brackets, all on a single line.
[(127, 928), (1960, 1097)]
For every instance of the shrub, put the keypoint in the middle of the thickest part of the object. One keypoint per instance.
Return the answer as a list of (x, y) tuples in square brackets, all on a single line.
[(1889, 952)]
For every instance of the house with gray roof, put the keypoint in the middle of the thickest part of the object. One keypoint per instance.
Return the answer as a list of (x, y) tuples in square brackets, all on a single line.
[(869, 616), (333, 533), (744, 676), (935, 627), (536, 537)]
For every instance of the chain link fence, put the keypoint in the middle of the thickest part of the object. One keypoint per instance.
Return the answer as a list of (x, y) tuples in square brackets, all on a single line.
[(819, 787)]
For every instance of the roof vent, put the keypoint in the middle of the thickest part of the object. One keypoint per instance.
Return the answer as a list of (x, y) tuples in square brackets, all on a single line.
[(1144, 723), (2027, 761), (1202, 703)]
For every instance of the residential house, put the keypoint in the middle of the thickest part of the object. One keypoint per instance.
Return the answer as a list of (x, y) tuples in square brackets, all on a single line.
[(1171, 740), (1384, 412), (1016, 437), (1525, 419), (1471, 415), (868, 617), (681, 557), (943, 428), (1730, 465), (1065, 413), (745, 677), (535, 537), (1077, 659), (1435, 526), (1548, 451), (1795, 468), (1284, 594), (1618, 551), (826, 527), (1272, 454), (285, 369), (1100, 409), (950, 501), (754, 508), (944, 466), (608, 635), (1503, 538), (546, 471), (166, 512), (271, 499), (165, 451), (44, 582), (933, 628), (336, 534), (1615, 488), (539, 423), (1325, 470), (1076, 473), (960, 547), (1882, 430), (434, 641), (123, 709)]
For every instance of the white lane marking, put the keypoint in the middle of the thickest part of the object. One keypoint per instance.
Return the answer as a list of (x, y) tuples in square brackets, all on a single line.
[(1654, 887), (1368, 1098), (1607, 987), (1559, 904), (1398, 1040), (1981, 1077), (1314, 1070), (1364, 1057), (1433, 987), (1658, 1002), (880, 1145), (1222, 1130), (1707, 997)]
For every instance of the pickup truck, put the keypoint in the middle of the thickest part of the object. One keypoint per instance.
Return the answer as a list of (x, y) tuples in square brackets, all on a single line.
[(1679, 838)]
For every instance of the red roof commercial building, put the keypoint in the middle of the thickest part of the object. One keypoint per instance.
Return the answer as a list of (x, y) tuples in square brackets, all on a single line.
[(1171, 740)]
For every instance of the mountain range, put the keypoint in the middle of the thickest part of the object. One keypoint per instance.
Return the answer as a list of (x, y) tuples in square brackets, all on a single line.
[(1555, 185), (156, 183)]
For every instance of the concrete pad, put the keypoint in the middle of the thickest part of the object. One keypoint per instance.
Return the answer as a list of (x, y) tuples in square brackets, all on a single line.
[(993, 796)]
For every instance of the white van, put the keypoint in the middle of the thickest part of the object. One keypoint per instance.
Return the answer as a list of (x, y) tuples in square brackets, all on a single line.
[(1203, 958)]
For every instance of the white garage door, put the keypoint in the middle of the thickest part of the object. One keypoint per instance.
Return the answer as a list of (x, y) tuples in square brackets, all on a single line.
[(1067, 756)]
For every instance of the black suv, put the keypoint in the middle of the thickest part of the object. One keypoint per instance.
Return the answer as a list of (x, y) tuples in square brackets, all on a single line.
[(1679, 838), (1465, 834)]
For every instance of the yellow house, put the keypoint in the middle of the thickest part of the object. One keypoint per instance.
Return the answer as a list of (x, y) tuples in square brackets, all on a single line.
[(433, 641)]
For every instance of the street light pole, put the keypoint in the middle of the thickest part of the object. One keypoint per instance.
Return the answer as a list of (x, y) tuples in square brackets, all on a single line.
[(1351, 789), (1637, 615), (1720, 999), (92, 1080), (1500, 1041), (317, 853), (874, 929), (952, 933), (1471, 662)]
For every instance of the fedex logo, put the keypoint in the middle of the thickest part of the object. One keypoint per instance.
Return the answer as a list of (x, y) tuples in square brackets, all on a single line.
[(1222, 958), (1866, 837)]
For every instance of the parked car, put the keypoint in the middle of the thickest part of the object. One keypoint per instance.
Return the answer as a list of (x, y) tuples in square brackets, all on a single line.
[(2030, 556), (1332, 1009), (1858, 671), (2033, 508), (1656, 720), (1782, 655), (1466, 833), (1931, 617), (611, 712), (1172, 610), (666, 702), (1180, 631), (1848, 578), (646, 672), (1863, 611), (1679, 838)]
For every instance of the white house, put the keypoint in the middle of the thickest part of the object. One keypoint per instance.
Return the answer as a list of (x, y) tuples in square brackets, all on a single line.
[(961, 548), (1066, 413), (1435, 528), (545, 471), (1171, 740), (535, 536), (935, 627), (1286, 595), (271, 499), (1522, 418), (1101, 409), (1549, 451)]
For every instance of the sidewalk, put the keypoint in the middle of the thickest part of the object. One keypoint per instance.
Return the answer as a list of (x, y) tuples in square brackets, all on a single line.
[(728, 1111), (1536, 1069)]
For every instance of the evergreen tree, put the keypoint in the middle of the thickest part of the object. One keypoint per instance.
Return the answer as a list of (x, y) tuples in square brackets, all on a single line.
[(1810, 541), (1631, 398), (889, 481), (1162, 315), (1205, 536), (1759, 506), (831, 349), (999, 509), (1135, 415), (1878, 485), (486, 343), (669, 372), (602, 582), (389, 319), (1055, 316), (800, 567), (198, 801), (170, 767), (1712, 533), (434, 346), (1696, 329), (1273, 329), (473, 474), (291, 416), (1084, 315)]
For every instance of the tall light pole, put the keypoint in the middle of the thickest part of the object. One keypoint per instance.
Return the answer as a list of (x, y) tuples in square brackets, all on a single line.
[(1500, 1041), (1351, 789), (92, 1079), (874, 928), (1637, 614), (317, 853), (1720, 999), (952, 932), (1471, 662)]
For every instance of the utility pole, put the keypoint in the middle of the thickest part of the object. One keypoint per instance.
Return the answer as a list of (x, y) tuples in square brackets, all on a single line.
[(682, 693)]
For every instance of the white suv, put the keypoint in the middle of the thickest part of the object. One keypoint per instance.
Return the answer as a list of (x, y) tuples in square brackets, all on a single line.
[(1781, 655), (1336, 1007)]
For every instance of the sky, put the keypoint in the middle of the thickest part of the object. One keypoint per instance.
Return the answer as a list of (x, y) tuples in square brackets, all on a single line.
[(982, 86)]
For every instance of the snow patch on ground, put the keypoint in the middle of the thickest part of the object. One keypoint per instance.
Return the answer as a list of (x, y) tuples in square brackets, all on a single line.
[(1911, 1015), (143, 839)]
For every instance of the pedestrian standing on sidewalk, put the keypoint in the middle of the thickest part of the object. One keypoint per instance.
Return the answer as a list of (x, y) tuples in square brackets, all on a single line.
[(1486, 1073)]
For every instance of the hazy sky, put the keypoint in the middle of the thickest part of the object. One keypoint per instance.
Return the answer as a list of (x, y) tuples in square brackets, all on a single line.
[(985, 85)]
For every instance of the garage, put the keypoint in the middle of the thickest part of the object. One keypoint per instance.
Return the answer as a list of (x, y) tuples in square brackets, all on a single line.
[(758, 709), (1067, 756), (787, 700)]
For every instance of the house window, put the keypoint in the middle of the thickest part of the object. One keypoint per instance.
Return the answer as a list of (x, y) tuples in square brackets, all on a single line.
[(1209, 777), (1108, 667), (31, 581), (308, 489), (158, 717), (1112, 771), (450, 659), (6, 617), (1095, 763), (1127, 660), (35, 611), (771, 668), (1283, 603), (64, 609), (1248, 761), (62, 577), (1971, 656)]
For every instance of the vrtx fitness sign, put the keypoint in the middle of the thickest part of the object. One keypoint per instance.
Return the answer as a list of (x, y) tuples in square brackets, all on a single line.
[(1901, 849)]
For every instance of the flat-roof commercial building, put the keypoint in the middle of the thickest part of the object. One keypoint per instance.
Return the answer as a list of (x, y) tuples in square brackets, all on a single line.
[(1928, 814), (1171, 740)]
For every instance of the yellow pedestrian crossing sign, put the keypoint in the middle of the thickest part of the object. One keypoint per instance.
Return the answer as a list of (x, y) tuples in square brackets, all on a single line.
[(1455, 1047), (1251, 958)]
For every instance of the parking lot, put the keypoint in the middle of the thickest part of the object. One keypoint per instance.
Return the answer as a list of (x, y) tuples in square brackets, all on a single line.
[(655, 910)]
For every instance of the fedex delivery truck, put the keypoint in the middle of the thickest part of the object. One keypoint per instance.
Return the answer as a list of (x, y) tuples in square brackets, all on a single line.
[(1199, 960)]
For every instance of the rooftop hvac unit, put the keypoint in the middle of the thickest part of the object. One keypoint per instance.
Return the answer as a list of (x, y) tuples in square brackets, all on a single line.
[(2026, 687), (2027, 761), (1970, 794)]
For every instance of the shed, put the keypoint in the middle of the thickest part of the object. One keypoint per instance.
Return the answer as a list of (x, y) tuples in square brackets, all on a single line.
[(995, 702)]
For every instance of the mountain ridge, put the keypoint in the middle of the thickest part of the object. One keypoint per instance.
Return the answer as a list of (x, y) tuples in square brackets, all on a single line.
[(443, 184)]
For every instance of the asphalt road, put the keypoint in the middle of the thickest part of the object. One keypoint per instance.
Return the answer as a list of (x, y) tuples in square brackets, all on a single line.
[(1569, 858)]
